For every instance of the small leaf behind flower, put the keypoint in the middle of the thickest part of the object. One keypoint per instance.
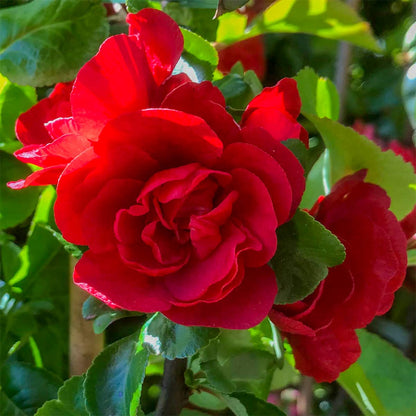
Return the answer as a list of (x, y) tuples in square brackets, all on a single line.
[(163, 337), (306, 249)]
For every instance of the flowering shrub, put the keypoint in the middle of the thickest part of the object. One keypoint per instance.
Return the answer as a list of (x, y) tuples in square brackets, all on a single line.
[(187, 198)]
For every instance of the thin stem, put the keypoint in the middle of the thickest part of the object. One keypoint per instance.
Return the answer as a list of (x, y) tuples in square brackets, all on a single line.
[(342, 68), (174, 393)]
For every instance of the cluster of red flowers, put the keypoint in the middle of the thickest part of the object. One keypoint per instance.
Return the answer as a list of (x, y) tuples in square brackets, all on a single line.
[(179, 205)]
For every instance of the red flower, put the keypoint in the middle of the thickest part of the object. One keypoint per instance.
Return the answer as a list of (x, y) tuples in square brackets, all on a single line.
[(320, 328), (249, 52), (177, 203), (129, 73)]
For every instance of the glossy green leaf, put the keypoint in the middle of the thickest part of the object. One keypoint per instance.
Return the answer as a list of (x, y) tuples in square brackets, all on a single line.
[(70, 402), (114, 381), (200, 55), (350, 152), (15, 205), (382, 381), (252, 405), (28, 396), (164, 337), (315, 182), (307, 157), (102, 314), (240, 361), (229, 5), (47, 41), (239, 88), (319, 95), (14, 100), (331, 19), (133, 6), (306, 250)]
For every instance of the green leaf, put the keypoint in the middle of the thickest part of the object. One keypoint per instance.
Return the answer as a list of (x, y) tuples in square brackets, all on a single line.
[(240, 361), (102, 314), (133, 6), (316, 182), (319, 95), (14, 100), (15, 205), (72, 249), (199, 53), (164, 337), (114, 381), (252, 405), (306, 250), (41, 246), (229, 5), (331, 19), (382, 381), (47, 41), (70, 402), (28, 387), (239, 88), (350, 152), (307, 157), (411, 257)]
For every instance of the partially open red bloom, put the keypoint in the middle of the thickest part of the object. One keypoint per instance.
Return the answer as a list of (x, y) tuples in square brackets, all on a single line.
[(320, 328), (177, 203)]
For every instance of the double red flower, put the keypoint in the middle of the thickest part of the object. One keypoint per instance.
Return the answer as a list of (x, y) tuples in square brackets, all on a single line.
[(177, 203), (321, 327)]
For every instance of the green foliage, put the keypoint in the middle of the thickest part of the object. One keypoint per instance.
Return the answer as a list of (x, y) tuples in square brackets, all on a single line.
[(238, 361), (246, 404), (102, 314), (331, 19), (70, 402), (15, 206), (163, 337), (199, 58), (319, 94), (14, 100), (113, 383), (306, 250), (239, 88), (47, 41), (350, 152), (27, 396), (382, 381)]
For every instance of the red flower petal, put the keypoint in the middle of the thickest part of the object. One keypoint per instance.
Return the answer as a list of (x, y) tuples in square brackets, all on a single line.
[(99, 275), (99, 214), (245, 307), (264, 166), (161, 38), (206, 101), (172, 137), (30, 127), (326, 355), (275, 110), (115, 81), (40, 177), (284, 157)]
